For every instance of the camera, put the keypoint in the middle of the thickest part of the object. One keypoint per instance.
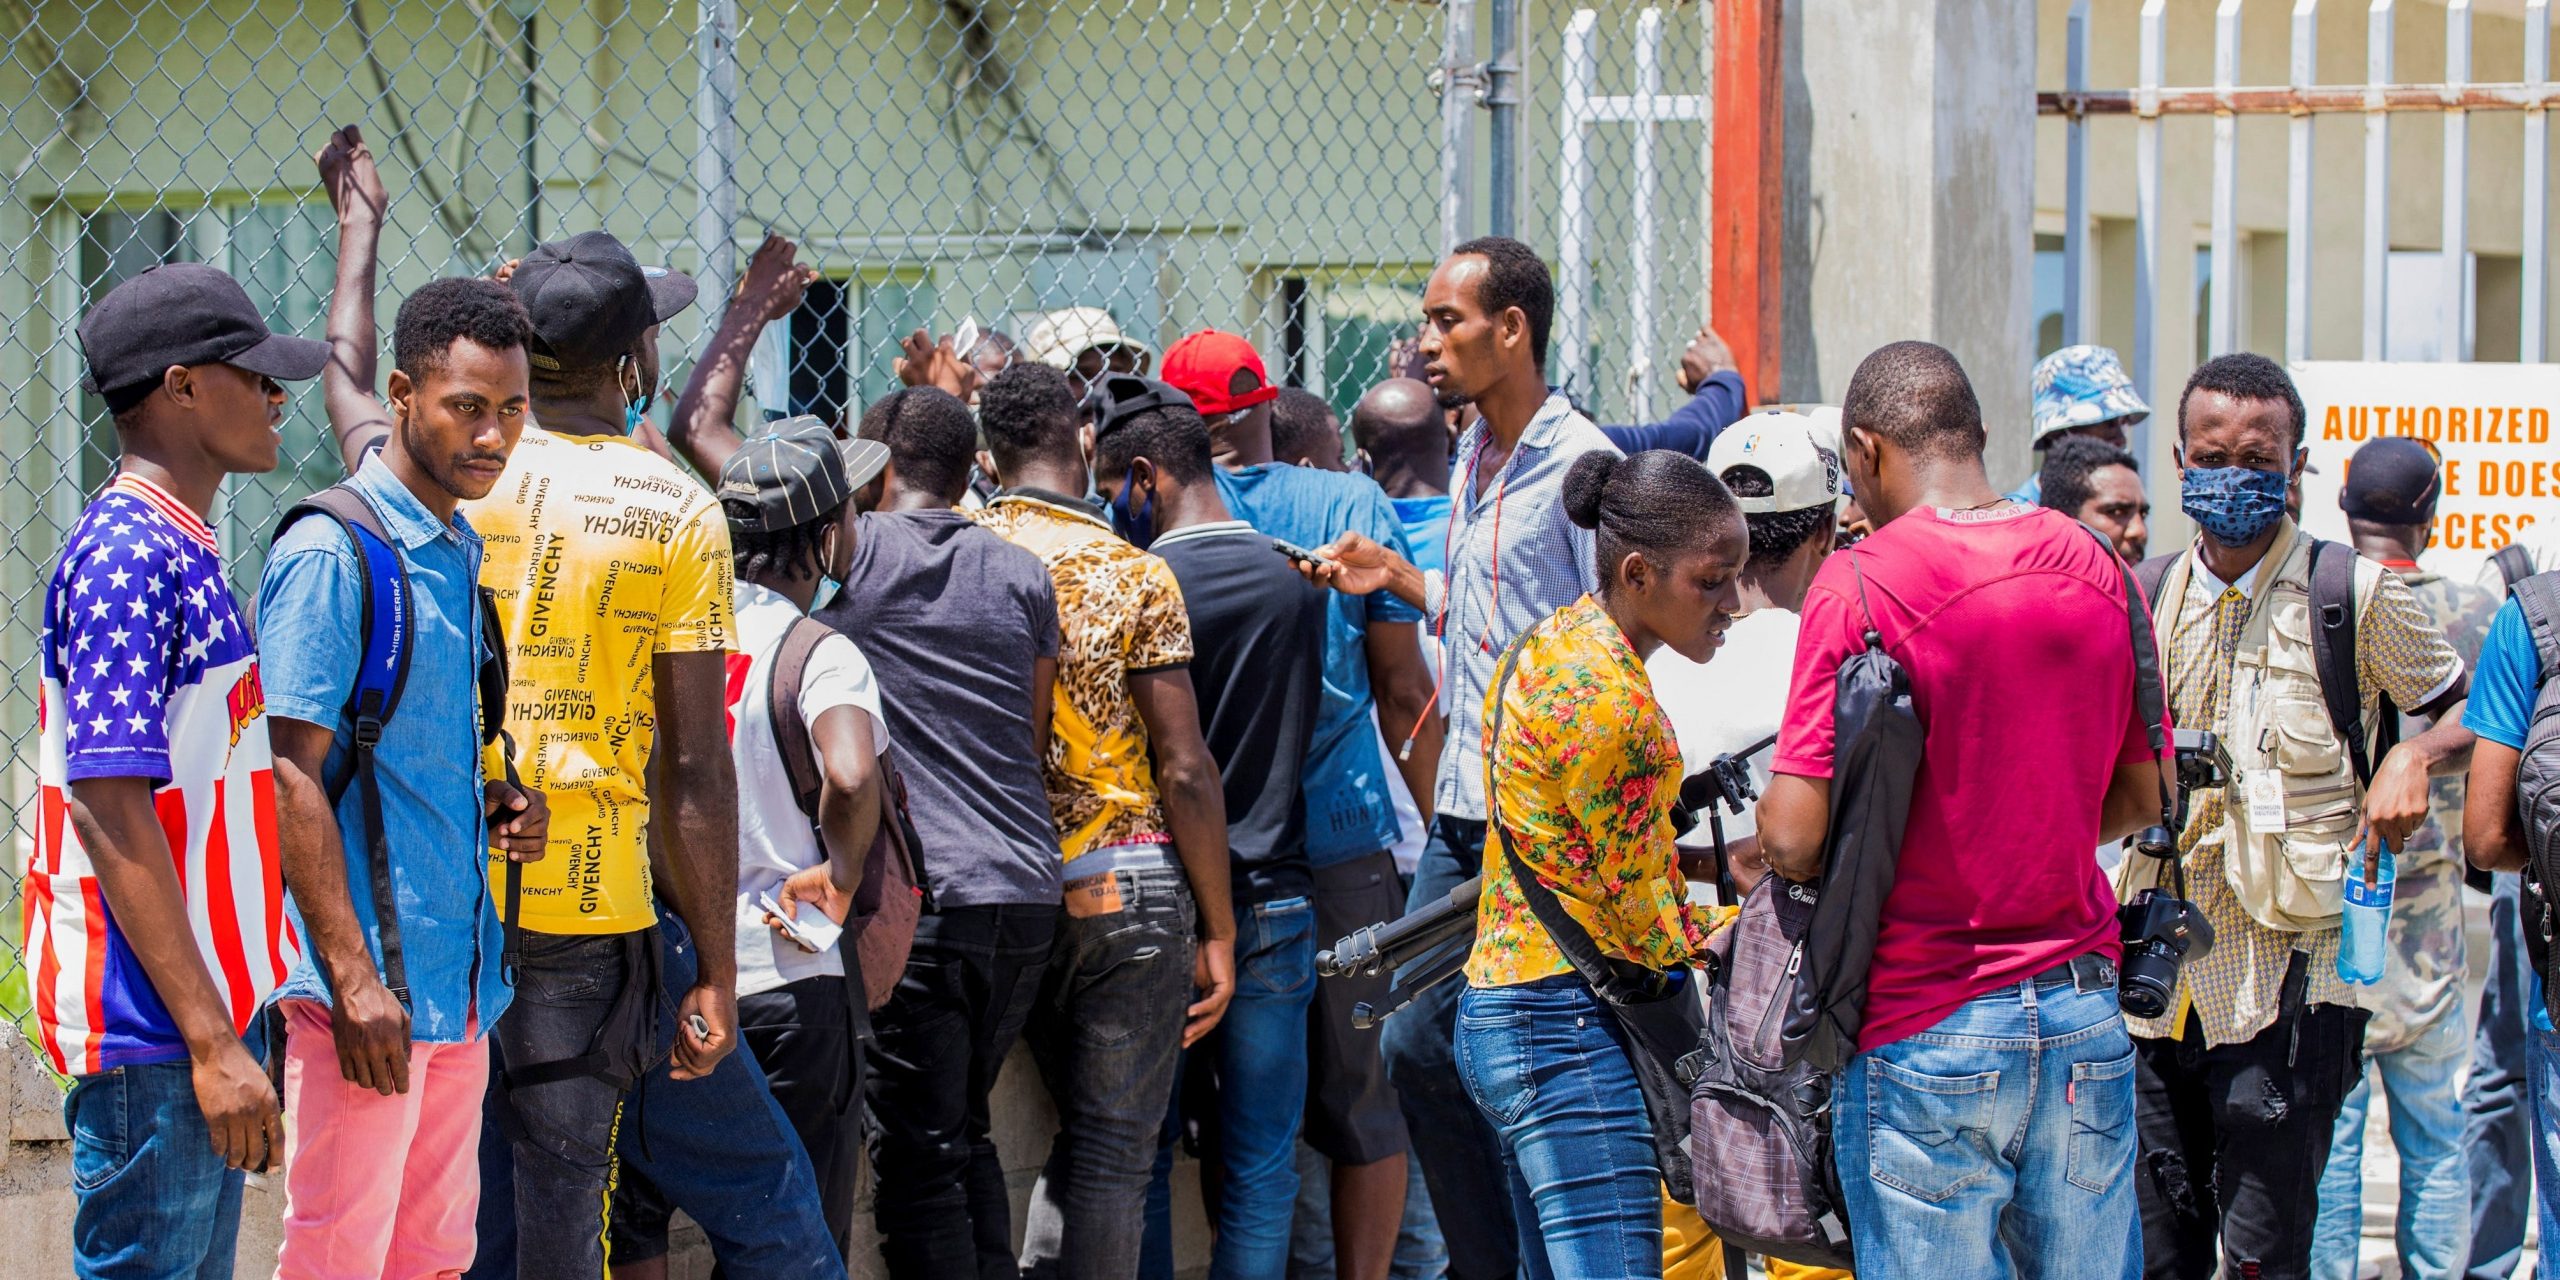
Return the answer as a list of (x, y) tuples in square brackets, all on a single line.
[(2202, 766), (2160, 931)]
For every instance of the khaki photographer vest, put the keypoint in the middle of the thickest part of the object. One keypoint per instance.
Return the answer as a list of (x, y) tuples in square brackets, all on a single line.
[(2275, 721)]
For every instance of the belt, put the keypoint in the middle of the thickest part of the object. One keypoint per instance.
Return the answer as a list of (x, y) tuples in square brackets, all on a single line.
[(2088, 972), (1104, 859)]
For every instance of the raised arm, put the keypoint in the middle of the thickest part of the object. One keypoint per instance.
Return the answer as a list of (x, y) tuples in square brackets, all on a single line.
[(704, 430), (357, 415)]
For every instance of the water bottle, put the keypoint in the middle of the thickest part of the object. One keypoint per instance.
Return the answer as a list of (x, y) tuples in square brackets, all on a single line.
[(2367, 945)]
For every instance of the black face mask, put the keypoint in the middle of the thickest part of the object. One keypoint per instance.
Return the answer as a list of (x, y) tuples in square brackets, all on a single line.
[(1138, 527)]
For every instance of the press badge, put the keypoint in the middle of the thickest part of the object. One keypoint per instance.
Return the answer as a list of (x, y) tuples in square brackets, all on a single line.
[(2266, 801), (1093, 896)]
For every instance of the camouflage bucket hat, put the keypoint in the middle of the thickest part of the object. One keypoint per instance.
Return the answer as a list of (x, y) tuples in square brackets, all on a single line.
[(2083, 386)]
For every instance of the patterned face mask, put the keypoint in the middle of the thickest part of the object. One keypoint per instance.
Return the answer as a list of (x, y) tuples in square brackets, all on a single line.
[(2233, 505)]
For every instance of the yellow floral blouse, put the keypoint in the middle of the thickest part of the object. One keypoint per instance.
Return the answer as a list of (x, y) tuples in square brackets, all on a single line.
[(1583, 776)]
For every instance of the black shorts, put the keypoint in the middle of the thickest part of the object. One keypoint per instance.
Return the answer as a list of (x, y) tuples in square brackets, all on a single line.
[(1352, 1113)]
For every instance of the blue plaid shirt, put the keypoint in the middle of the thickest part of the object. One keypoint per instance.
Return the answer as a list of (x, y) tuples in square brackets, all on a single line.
[(1546, 564)]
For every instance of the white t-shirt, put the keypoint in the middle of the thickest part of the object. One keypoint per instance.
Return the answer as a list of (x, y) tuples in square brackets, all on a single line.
[(775, 839), (1729, 702)]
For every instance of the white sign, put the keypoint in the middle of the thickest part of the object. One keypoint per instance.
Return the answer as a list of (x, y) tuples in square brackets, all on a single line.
[(2490, 423)]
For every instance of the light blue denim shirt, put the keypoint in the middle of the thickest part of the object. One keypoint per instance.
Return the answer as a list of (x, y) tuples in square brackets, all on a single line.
[(428, 765), (1546, 563)]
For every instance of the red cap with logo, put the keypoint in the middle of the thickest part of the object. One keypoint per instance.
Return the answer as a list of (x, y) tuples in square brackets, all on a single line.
[(1203, 366)]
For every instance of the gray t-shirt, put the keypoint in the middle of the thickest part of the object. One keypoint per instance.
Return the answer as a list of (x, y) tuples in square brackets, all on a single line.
[(952, 618)]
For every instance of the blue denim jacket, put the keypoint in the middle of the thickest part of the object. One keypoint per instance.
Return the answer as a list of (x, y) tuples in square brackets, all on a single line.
[(429, 762)]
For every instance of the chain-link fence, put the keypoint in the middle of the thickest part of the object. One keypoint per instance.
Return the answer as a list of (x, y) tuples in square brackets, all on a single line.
[(1272, 168)]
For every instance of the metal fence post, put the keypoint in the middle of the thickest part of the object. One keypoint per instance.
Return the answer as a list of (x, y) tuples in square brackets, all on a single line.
[(2377, 178), (2146, 210), (1457, 123), (2078, 319), (2457, 179), (1502, 80), (1573, 211), (1647, 185), (715, 170), (2222, 328), (2537, 161), (2297, 205)]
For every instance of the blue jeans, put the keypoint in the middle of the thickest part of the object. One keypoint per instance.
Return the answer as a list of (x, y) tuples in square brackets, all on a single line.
[(1460, 1155), (1548, 1066), (154, 1201), (2498, 1138), (1998, 1143), (1257, 1063), (2542, 1060), (2434, 1230)]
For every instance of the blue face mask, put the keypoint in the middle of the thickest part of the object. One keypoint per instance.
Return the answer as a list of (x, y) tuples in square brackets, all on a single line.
[(1139, 528), (827, 589), (635, 413), (2233, 505)]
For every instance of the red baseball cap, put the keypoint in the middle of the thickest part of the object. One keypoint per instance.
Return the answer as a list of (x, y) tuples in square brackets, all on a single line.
[(1203, 366)]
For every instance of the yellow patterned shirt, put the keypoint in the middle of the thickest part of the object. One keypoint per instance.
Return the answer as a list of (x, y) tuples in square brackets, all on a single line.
[(602, 555), (1120, 614), (1582, 775), (2237, 990)]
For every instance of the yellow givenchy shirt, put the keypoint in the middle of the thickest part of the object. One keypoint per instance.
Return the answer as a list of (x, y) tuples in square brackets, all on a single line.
[(601, 555)]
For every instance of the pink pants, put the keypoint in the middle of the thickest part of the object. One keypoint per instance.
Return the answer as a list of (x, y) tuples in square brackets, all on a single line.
[(379, 1188)]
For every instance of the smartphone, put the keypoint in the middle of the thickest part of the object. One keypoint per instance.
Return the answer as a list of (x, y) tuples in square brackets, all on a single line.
[(965, 339), (1295, 552), (812, 931)]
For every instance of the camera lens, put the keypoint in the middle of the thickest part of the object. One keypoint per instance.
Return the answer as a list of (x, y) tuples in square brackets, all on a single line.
[(2146, 981)]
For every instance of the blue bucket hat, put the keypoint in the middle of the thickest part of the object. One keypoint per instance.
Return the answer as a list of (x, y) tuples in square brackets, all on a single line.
[(2081, 387)]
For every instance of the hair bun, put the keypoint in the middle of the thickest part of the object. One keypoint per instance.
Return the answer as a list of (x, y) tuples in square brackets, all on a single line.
[(1584, 482)]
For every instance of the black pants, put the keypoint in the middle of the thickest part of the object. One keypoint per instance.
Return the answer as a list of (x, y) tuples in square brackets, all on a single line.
[(2234, 1140), (941, 1205)]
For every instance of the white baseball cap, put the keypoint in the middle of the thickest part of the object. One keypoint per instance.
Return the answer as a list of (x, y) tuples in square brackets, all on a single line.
[(1061, 336), (1783, 446)]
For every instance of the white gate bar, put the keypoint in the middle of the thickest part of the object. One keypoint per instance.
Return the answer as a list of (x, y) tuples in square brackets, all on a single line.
[(1638, 109), (2537, 231), (2146, 199), (715, 170), (2078, 325), (2297, 210), (2457, 181), (2222, 328), (2377, 176), (1640, 293), (1573, 215)]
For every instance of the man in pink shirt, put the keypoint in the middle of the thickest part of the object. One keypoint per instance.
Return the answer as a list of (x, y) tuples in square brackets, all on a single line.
[(1985, 1126)]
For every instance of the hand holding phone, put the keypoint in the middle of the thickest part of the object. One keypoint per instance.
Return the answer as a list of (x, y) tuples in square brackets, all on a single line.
[(812, 933), (1297, 553)]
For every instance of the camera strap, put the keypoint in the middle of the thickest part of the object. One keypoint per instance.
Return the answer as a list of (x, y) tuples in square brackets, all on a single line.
[(2150, 701)]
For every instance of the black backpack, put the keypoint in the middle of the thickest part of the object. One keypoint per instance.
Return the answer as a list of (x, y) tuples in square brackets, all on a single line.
[(2538, 782)]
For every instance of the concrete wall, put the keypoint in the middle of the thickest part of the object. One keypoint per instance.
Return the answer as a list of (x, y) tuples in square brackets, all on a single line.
[(1909, 180), (35, 1183)]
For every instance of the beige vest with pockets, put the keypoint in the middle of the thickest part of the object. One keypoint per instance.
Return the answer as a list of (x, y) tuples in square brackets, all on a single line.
[(2290, 878)]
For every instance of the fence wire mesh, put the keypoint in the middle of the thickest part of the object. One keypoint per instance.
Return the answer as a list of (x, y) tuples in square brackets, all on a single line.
[(1270, 167)]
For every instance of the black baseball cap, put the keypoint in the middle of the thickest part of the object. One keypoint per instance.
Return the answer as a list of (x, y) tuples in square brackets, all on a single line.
[(1115, 398), (589, 299), (184, 313), (796, 472), (2393, 480)]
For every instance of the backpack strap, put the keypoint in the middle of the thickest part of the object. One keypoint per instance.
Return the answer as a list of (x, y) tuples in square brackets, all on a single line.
[(2152, 574), (385, 621), (2538, 597), (493, 728), (2333, 654), (2515, 564), (2141, 586), (789, 664)]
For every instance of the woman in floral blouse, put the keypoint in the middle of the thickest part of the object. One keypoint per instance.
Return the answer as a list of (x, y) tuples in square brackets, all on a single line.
[(1583, 771)]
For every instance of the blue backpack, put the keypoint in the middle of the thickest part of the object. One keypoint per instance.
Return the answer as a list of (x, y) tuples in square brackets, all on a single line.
[(385, 624)]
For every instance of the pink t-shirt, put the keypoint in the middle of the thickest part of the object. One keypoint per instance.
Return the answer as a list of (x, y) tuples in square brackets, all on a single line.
[(2012, 626)]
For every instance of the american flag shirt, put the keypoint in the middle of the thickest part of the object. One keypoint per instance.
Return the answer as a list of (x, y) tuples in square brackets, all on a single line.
[(149, 671)]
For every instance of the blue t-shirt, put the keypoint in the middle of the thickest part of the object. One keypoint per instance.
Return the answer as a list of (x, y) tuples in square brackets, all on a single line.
[(2509, 677), (1426, 529), (428, 765), (1350, 808)]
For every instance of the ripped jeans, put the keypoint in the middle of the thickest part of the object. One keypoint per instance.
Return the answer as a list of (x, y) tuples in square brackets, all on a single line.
[(2234, 1140)]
